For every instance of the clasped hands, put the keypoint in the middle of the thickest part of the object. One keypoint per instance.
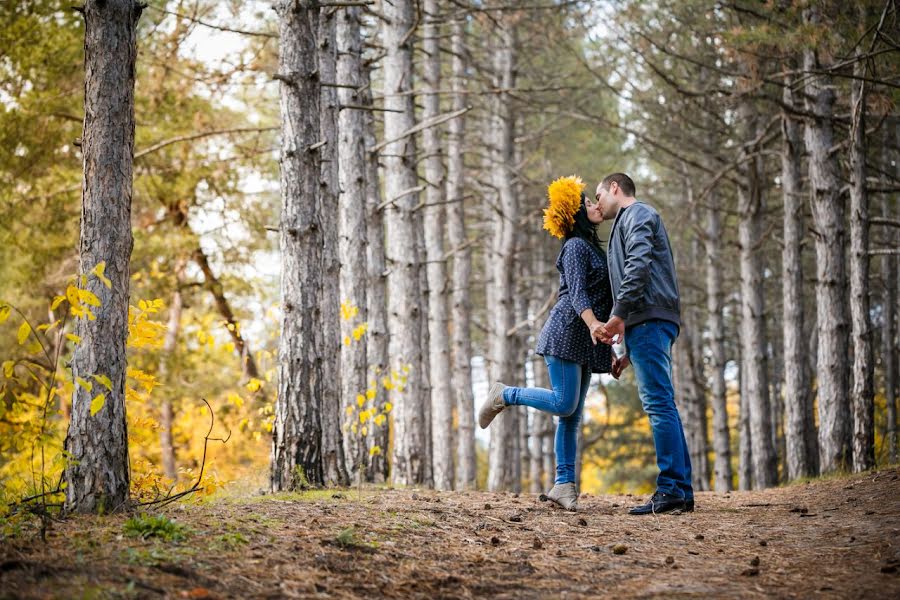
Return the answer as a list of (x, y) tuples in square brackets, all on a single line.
[(610, 333)]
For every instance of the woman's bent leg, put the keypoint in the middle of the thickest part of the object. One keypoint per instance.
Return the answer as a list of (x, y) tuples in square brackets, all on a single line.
[(567, 432), (565, 377)]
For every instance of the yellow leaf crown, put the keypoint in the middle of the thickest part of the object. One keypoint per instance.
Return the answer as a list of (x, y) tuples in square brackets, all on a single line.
[(565, 200)]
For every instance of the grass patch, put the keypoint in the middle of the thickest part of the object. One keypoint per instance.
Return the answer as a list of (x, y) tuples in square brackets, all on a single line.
[(158, 526)]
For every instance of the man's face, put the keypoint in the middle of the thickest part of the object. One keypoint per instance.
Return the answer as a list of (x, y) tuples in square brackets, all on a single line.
[(607, 204)]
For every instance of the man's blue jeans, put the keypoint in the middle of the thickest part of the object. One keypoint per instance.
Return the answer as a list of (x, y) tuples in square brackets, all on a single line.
[(570, 383), (650, 349)]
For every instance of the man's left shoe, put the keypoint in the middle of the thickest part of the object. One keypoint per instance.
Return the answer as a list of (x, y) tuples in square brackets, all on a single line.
[(660, 503)]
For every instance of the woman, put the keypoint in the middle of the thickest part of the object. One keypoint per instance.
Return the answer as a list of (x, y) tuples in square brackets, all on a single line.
[(567, 342)]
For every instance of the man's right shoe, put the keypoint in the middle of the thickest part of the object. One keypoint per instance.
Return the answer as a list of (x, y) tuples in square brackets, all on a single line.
[(688, 506), (493, 406), (660, 503)]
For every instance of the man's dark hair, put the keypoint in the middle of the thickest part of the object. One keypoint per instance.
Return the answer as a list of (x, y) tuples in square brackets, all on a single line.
[(624, 181)]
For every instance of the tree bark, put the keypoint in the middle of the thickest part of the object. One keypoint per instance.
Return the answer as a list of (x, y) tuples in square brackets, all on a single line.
[(97, 470), (802, 453), (828, 210), (863, 392), (889, 277), (723, 477), (442, 399), (376, 292), (403, 286), (745, 446), (352, 234), (751, 206), (329, 301), (299, 442), (500, 257), (462, 268)]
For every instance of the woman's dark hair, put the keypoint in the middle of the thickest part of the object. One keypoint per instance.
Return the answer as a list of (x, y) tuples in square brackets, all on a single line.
[(584, 229)]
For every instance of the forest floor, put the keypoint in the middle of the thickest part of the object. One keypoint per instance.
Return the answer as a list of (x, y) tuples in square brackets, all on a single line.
[(838, 537)]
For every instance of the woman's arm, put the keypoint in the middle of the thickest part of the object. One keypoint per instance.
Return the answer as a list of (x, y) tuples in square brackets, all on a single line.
[(576, 260)]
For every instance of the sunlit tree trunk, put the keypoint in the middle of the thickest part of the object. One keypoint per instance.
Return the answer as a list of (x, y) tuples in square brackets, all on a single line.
[(403, 286), (376, 292), (800, 439), (751, 206), (863, 393), (167, 412), (352, 234), (499, 259), (461, 273), (442, 398), (96, 472), (829, 212)]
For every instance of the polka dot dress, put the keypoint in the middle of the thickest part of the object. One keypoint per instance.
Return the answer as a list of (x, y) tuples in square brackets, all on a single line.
[(583, 283)]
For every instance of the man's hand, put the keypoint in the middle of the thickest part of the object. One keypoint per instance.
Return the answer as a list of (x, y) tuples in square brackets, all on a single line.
[(619, 365), (596, 331), (613, 331)]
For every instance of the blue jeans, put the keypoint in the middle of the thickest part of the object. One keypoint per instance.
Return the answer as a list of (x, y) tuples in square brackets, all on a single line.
[(570, 383), (650, 349)]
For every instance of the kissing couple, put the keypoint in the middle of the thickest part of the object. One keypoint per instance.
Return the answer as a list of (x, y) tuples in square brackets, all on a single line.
[(629, 298)]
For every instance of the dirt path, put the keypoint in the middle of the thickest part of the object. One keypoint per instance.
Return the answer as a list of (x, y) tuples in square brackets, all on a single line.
[(837, 538)]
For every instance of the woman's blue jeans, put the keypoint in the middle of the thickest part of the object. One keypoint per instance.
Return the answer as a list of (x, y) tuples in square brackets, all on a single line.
[(570, 383), (650, 349)]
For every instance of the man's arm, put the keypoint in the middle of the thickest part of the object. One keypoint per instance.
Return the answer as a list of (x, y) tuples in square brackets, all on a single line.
[(638, 254)]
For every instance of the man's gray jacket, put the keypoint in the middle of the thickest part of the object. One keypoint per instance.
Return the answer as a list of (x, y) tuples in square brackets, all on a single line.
[(641, 268)]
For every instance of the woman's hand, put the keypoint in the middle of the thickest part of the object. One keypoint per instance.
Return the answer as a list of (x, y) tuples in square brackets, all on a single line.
[(597, 329)]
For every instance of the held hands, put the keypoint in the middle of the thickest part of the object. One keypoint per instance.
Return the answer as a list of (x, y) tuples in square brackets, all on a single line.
[(596, 331), (610, 332)]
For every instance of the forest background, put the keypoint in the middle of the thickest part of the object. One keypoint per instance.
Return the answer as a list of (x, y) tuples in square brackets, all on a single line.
[(716, 109)]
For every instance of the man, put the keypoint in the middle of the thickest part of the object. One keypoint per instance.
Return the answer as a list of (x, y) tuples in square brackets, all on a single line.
[(646, 313)]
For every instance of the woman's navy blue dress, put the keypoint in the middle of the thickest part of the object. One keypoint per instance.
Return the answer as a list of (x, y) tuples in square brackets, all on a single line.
[(583, 283)]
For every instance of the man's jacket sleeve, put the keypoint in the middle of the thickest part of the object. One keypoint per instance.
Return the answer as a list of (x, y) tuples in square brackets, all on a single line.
[(636, 272)]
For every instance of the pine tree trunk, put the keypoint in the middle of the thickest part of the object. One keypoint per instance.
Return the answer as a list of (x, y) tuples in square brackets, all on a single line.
[(298, 445), (403, 285), (462, 268), (442, 399), (167, 413), (802, 454), (745, 446), (499, 260), (352, 234), (889, 344), (335, 464), (829, 212), (376, 292), (754, 371), (863, 393), (715, 323), (97, 470)]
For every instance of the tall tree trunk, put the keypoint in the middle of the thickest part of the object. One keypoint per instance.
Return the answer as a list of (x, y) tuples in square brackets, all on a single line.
[(462, 268), (500, 258), (167, 412), (802, 454), (751, 206), (329, 301), (541, 422), (403, 286), (442, 399), (745, 445), (97, 472), (828, 211), (715, 323), (304, 387), (889, 276), (376, 292), (863, 393), (352, 234)]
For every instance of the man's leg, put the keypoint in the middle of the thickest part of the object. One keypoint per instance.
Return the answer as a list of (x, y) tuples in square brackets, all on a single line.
[(649, 346)]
